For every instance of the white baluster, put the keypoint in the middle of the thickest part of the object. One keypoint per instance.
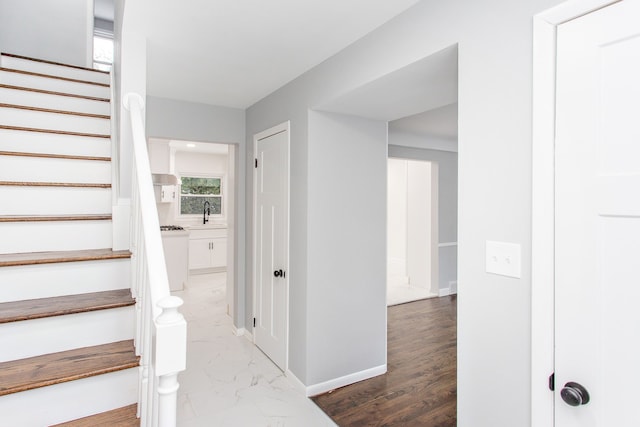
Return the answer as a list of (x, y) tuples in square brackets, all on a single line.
[(167, 400), (171, 342)]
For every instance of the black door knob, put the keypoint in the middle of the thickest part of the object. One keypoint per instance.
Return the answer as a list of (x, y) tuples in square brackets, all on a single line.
[(278, 273), (574, 394)]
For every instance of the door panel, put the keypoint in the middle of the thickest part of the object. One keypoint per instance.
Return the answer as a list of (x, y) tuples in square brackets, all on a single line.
[(272, 246), (598, 216)]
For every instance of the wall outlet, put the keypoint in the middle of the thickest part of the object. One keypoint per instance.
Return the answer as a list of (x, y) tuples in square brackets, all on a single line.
[(503, 259)]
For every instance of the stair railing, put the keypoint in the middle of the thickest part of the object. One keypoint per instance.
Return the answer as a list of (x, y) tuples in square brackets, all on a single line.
[(161, 331)]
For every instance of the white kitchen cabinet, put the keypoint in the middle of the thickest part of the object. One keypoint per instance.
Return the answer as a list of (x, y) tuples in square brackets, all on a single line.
[(165, 193), (207, 248)]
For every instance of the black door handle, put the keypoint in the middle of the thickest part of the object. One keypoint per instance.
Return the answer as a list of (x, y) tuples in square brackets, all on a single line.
[(279, 273), (574, 394)]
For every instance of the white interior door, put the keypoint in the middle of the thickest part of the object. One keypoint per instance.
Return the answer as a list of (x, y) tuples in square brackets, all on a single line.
[(597, 286), (272, 237)]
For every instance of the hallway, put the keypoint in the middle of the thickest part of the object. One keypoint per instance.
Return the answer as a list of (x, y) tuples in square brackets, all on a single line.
[(228, 381)]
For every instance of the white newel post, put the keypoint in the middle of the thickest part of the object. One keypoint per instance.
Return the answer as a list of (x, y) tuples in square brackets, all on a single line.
[(171, 350)]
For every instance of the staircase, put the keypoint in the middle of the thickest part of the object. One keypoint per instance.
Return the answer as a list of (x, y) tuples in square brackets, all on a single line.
[(67, 316)]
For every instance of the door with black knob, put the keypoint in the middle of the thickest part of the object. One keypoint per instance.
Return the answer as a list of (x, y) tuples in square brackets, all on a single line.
[(597, 219), (271, 210)]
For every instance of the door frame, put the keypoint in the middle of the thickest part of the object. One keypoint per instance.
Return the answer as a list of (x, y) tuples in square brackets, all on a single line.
[(282, 127), (543, 207)]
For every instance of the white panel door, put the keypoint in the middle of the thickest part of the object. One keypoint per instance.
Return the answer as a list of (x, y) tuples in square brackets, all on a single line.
[(272, 237), (597, 286)]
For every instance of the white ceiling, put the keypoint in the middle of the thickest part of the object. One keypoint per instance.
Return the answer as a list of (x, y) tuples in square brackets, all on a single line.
[(440, 123), (235, 52)]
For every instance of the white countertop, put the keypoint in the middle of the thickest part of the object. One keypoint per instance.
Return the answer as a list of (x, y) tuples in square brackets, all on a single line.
[(204, 226)]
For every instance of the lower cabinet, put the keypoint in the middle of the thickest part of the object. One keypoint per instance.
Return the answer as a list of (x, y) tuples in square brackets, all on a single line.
[(207, 249)]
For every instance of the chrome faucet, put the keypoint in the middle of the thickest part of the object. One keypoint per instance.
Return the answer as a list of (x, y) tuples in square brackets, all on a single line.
[(207, 212)]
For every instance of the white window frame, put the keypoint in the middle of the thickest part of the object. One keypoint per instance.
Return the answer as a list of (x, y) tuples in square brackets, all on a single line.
[(222, 195), (103, 34)]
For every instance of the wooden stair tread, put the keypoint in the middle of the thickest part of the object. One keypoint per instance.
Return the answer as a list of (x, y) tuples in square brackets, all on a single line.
[(13, 55), (46, 218), (121, 417), (54, 184), (17, 311), (52, 92), (51, 110), (54, 156), (55, 131), (32, 258), (51, 76), (55, 368)]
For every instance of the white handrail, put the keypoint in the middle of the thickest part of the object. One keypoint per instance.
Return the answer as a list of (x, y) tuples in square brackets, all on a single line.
[(161, 331)]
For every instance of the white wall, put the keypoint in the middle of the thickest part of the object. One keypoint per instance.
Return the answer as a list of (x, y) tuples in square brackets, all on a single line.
[(494, 40), (447, 202), (409, 223), (397, 220), (60, 30), (419, 224), (191, 121), (346, 302)]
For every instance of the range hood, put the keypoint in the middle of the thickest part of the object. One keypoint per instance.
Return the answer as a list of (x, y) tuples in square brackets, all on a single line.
[(164, 179)]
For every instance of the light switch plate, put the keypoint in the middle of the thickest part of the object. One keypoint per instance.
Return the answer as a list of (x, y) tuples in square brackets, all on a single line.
[(503, 258)]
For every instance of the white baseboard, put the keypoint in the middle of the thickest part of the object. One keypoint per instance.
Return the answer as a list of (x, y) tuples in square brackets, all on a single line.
[(299, 385), (326, 386), (452, 289), (242, 332)]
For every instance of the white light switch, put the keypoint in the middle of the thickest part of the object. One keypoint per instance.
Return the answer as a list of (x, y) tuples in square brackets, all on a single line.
[(503, 258)]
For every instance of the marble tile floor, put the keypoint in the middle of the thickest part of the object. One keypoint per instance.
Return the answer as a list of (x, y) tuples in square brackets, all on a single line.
[(400, 293), (229, 382)]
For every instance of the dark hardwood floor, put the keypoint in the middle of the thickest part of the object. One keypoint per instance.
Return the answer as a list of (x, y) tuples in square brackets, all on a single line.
[(419, 388)]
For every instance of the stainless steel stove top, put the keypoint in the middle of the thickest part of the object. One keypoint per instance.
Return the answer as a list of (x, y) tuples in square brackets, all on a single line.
[(171, 228)]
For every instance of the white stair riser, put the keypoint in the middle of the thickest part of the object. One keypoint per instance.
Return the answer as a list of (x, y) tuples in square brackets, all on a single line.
[(44, 236), (30, 338), (56, 85), (71, 400), (23, 200), (65, 278), (54, 121), (54, 70), (44, 169), (54, 102), (50, 143)]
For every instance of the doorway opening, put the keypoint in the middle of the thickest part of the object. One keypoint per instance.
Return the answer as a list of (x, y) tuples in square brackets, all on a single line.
[(420, 110), (412, 230), (196, 187), (430, 248)]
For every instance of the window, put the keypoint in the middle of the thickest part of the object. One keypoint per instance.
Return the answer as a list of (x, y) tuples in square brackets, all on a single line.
[(102, 52), (195, 191)]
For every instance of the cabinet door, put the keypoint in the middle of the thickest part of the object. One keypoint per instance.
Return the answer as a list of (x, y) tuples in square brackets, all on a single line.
[(165, 193), (219, 253), (199, 253)]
